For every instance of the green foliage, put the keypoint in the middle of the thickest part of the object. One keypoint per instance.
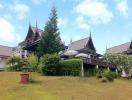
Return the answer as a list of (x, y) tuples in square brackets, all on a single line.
[(91, 72), (70, 67), (50, 42), (109, 75), (15, 63), (122, 61), (49, 64), (32, 61)]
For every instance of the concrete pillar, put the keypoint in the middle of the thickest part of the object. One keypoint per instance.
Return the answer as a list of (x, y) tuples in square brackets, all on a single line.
[(116, 71), (108, 68), (82, 70), (97, 67)]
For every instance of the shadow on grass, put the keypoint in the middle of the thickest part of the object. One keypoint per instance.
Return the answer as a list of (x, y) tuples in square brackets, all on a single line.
[(35, 82)]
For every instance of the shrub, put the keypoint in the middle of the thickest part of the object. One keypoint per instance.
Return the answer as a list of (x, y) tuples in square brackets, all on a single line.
[(70, 67), (14, 62), (109, 75), (32, 61), (90, 72), (49, 64)]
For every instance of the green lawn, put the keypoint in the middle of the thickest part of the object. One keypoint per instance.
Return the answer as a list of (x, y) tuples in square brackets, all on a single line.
[(62, 88)]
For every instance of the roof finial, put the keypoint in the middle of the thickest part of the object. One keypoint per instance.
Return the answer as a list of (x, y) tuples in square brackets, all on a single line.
[(36, 24), (71, 41), (106, 49), (29, 22), (90, 34)]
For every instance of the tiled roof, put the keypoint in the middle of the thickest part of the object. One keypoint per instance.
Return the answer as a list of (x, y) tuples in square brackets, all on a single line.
[(77, 45), (5, 50), (119, 49)]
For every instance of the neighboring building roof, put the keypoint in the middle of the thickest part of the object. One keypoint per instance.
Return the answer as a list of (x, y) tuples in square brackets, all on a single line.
[(5, 51), (79, 44), (120, 48)]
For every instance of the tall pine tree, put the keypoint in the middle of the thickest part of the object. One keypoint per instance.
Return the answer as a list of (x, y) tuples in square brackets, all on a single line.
[(50, 41)]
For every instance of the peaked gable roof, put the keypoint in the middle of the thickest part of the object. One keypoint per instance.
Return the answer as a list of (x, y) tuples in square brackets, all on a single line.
[(81, 44), (90, 44), (120, 48), (33, 31)]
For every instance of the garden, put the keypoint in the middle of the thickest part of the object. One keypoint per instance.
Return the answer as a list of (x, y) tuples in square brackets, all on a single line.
[(54, 78)]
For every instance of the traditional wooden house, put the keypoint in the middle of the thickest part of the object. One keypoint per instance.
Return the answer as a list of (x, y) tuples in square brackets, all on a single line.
[(125, 48), (31, 41), (86, 46)]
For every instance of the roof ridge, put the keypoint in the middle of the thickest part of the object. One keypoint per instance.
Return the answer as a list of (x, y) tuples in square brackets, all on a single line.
[(79, 40), (117, 45), (6, 46)]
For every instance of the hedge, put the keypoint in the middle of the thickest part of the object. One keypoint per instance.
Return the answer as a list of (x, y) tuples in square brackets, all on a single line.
[(70, 67), (49, 64)]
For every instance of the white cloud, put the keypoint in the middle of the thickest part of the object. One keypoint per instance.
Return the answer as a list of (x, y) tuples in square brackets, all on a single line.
[(7, 16), (7, 31), (37, 2), (1, 6), (62, 23), (122, 6), (21, 10), (96, 10), (81, 23)]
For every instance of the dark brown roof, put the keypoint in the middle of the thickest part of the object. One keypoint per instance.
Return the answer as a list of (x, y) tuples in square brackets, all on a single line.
[(5, 51), (34, 29), (79, 44), (119, 49)]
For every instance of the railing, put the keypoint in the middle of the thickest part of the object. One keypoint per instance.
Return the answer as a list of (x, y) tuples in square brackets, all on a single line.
[(97, 62), (29, 42)]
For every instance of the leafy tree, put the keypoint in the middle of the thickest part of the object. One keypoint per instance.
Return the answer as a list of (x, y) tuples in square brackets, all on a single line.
[(122, 61), (50, 41), (14, 62), (32, 61)]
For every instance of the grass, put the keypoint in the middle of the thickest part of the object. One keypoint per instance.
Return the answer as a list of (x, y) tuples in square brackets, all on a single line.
[(62, 88)]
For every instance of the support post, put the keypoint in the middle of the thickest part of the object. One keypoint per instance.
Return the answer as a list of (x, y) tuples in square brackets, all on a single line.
[(116, 71), (108, 68), (82, 70), (97, 67)]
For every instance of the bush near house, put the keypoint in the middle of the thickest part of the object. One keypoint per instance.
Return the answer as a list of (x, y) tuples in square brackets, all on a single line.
[(91, 72), (32, 62), (70, 67), (49, 64), (109, 75)]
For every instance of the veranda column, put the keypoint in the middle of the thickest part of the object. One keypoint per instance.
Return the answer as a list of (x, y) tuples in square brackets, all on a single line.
[(108, 68), (116, 71), (82, 70), (97, 66)]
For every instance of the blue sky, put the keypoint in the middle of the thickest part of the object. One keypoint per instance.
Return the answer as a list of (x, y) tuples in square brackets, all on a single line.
[(109, 21)]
